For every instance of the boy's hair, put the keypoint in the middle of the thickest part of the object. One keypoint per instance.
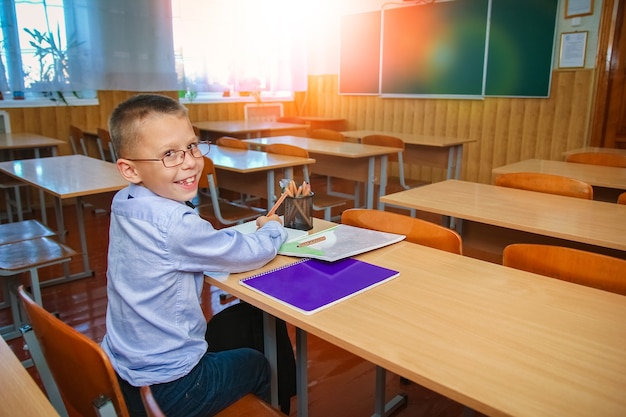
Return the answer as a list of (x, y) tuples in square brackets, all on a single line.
[(126, 119)]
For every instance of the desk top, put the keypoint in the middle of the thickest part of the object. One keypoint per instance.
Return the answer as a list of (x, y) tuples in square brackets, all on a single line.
[(27, 141), (19, 394), (326, 147), (67, 176), (499, 340), (586, 221), (246, 161), (244, 126), (597, 175), (411, 139)]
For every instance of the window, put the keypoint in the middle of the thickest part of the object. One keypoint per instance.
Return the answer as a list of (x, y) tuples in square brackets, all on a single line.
[(240, 47), (36, 50), (62, 48)]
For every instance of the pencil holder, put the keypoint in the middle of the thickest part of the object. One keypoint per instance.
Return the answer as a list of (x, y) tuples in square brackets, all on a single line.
[(298, 212)]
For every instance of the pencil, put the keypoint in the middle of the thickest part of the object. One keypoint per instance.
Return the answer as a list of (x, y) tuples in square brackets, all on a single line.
[(277, 204), (312, 241)]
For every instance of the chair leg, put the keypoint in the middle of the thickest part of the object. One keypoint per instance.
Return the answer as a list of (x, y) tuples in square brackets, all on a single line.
[(42, 369)]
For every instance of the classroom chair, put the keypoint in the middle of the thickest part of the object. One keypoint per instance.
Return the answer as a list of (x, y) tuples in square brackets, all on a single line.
[(230, 142), (263, 112), (76, 139), (621, 199), (398, 158), (105, 145), (598, 158), (12, 196), (27, 255), (392, 142), (546, 183), (291, 119), (321, 201), (248, 406), (329, 134), (574, 265), (213, 206), (417, 231)]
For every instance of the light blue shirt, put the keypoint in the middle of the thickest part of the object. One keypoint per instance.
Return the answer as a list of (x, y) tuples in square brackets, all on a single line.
[(158, 250)]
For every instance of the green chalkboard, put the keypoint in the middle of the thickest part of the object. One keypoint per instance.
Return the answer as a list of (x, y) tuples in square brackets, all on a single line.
[(464, 48), (521, 39), (434, 49)]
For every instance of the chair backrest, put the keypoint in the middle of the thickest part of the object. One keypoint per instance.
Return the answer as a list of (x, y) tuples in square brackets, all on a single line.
[(76, 140), (149, 403), (568, 264), (229, 142), (385, 140), (291, 150), (598, 158), (621, 199), (416, 230), (196, 131), (209, 169), (106, 145), (546, 183), (79, 366), (327, 134), (267, 112)]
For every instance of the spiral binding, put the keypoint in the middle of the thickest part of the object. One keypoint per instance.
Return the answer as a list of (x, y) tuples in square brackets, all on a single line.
[(276, 269)]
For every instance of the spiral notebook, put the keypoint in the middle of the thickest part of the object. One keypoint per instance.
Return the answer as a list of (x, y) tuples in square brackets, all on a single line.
[(310, 285)]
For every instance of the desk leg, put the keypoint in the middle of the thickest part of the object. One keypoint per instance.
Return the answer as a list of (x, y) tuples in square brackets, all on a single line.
[(87, 272), (270, 189), (380, 408), (383, 181), (371, 178), (269, 340), (302, 379), (455, 158)]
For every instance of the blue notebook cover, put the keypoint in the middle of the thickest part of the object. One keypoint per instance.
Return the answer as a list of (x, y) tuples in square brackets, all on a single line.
[(310, 285)]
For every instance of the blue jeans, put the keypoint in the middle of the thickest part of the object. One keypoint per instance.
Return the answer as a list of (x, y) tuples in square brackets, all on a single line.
[(219, 379)]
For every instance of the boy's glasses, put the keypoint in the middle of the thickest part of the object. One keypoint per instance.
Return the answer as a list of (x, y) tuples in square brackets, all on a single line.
[(173, 159)]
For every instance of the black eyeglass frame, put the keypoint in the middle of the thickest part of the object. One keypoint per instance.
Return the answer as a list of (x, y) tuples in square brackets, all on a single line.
[(198, 146)]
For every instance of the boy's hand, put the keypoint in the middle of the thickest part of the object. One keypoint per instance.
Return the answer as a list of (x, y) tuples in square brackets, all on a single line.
[(260, 221)]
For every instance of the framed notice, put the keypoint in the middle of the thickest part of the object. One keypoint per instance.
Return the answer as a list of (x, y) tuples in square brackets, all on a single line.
[(573, 49), (574, 8)]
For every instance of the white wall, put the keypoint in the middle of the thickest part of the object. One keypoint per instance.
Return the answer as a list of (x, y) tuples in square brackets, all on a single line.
[(323, 28)]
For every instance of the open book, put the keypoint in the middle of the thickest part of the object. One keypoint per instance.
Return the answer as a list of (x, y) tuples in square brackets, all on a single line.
[(341, 241)]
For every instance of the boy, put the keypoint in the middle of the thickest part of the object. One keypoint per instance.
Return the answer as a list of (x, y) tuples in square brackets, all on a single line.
[(158, 250)]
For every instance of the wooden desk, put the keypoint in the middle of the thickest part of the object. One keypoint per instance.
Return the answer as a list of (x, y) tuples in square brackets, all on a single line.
[(586, 221), (18, 141), (434, 151), (252, 172), (501, 341), (595, 149), (351, 161), (66, 177), (242, 129), (596, 175), (19, 394)]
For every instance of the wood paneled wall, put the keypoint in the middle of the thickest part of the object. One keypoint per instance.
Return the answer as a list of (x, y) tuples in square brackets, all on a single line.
[(505, 129)]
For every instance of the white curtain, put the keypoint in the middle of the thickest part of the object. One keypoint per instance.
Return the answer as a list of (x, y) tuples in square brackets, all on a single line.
[(241, 45), (128, 45)]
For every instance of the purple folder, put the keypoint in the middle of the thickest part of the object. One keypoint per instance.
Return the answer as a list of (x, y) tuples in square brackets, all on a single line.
[(310, 285)]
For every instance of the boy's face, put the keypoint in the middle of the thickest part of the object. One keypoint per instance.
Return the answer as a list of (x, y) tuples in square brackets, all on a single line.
[(160, 134)]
